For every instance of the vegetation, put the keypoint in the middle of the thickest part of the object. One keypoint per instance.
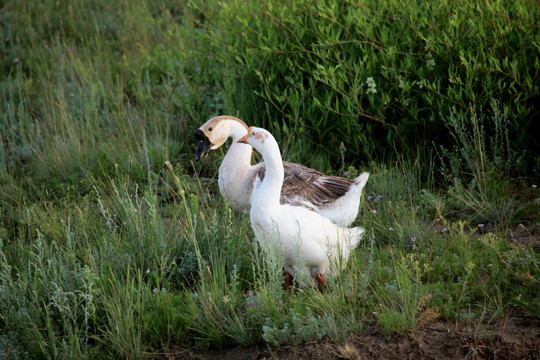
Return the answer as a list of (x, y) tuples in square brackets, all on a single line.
[(114, 243)]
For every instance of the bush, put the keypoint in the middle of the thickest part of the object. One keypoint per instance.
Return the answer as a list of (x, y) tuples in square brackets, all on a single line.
[(378, 76), (48, 304)]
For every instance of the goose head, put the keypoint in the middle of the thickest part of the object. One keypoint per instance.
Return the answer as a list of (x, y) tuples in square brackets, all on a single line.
[(263, 141), (255, 137), (214, 133)]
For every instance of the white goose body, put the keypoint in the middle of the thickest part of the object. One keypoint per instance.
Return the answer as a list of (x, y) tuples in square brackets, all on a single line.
[(335, 198), (311, 244)]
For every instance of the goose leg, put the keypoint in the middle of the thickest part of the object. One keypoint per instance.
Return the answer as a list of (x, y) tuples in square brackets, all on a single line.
[(320, 281), (288, 281)]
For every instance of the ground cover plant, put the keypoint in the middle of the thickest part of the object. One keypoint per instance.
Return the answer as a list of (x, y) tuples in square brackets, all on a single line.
[(114, 243)]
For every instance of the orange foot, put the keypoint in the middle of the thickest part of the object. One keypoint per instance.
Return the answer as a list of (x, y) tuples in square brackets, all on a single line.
[(320, 281), (288, 281)]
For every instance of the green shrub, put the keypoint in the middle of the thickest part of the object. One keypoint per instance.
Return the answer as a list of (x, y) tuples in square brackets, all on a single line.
[(375, 75), (48, 303)]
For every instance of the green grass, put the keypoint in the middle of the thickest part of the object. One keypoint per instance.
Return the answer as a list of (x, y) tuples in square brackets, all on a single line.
[(113, 243)]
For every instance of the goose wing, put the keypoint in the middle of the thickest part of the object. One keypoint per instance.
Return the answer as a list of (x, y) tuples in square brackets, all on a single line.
[(307, 187)]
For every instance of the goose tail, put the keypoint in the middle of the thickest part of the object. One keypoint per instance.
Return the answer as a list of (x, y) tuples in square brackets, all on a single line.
[(356, 235), (361, 180)]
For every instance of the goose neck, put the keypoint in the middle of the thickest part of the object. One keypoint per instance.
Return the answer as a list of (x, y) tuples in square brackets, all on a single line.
[(236, 130), (273, 180), (239, 155)]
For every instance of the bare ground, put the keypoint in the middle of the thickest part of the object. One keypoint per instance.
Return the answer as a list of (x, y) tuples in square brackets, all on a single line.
[(515, 337)]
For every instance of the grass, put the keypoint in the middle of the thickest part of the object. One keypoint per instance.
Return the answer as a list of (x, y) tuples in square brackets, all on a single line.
[(113, 243)]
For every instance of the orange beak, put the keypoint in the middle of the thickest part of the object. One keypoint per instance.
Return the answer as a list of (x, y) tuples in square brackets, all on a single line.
[(243, 139)]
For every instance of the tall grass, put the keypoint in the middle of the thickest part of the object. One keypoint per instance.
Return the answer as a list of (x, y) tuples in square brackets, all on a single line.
[(114, 244), (475, 165)]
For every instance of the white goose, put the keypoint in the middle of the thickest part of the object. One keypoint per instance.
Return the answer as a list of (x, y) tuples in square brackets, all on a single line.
[(335, 198), (311, 244)]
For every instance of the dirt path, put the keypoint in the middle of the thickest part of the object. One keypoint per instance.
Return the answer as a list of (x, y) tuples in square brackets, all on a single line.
[(513, 338)]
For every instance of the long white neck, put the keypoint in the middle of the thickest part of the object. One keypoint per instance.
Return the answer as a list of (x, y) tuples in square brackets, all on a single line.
[(273, 180), (239, 155)]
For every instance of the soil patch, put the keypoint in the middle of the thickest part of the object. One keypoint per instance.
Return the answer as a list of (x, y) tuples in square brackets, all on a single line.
[(515, 337)]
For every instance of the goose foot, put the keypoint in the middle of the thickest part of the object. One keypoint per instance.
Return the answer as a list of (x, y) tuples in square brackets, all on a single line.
[(288, 281), (320, 281)]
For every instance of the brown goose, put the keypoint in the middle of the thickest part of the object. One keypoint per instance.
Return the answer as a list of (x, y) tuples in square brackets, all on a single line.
[(335, 198)]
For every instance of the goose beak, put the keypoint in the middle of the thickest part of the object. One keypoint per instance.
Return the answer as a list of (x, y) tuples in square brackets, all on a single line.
[(203, 145), (243, 139)]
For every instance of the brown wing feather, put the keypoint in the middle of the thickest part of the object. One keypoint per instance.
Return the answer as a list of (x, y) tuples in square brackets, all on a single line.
[(305, 184)]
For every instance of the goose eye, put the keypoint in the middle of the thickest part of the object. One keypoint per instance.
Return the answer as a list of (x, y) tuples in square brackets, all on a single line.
[(210, 128)]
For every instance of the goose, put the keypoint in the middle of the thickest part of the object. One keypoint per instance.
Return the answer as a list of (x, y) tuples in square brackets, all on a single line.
[(335, 198), (309, 243)]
